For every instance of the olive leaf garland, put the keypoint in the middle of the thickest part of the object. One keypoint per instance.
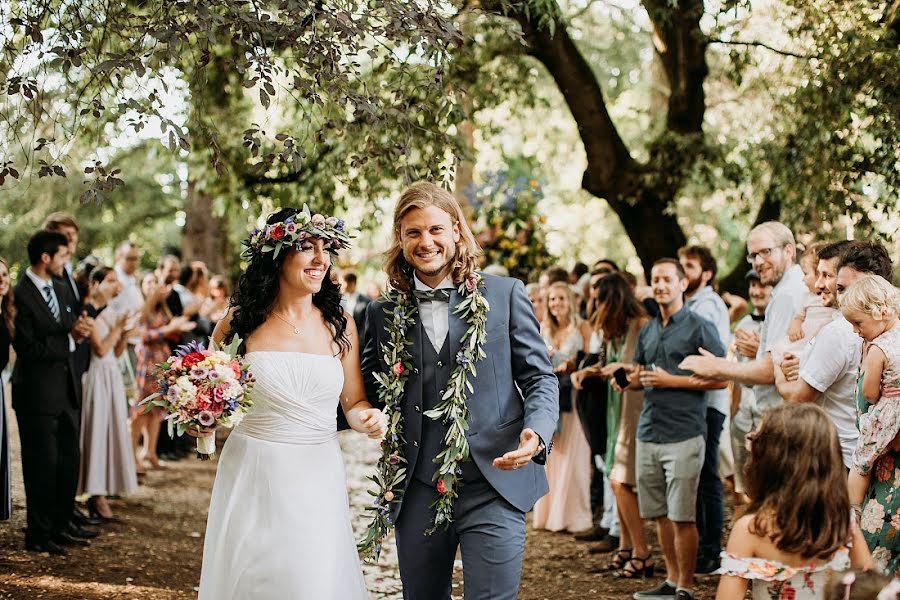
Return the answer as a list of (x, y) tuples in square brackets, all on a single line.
[(390, 471)]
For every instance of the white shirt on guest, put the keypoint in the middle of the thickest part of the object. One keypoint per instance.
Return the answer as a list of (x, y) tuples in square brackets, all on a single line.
[(830, 364), (435, 316), (129, 300), (788, 297)]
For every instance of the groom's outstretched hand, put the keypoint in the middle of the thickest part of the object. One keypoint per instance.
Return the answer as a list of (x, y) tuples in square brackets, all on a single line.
[(521, 456)]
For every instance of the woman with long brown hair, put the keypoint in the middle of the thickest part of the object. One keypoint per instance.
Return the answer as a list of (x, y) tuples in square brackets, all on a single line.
[(568, 505), (620, 315), (7, 333), (798, 527)]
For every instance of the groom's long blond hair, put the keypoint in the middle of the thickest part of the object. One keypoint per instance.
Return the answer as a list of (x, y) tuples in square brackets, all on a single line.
[(420, 195)]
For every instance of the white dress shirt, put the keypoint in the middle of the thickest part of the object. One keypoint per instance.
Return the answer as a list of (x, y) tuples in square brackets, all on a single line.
[(435, 316)]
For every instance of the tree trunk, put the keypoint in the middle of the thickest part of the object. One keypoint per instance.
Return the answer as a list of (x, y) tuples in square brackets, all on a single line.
[(654, 231), (203, 236)]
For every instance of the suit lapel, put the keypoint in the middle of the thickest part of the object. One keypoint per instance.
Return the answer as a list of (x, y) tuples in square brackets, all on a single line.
[(37, 299), (64, 298)]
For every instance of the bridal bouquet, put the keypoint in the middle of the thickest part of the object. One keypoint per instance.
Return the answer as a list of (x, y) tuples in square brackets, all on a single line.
[(201, 388)]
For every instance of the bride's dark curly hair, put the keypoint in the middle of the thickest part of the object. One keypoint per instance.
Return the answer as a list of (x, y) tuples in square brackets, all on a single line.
[(257, 289)]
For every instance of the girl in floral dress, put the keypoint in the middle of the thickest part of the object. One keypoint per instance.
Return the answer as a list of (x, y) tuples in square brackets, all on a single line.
[(871, 305), (798, 527)]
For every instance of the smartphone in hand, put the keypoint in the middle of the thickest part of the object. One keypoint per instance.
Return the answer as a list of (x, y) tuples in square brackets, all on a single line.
[(621, 376)]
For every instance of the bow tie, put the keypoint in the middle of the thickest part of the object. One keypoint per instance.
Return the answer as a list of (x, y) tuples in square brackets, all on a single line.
[(438, 295), (757, 317)]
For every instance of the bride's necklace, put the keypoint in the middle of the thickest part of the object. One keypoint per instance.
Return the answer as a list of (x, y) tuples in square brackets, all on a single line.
[(294, 327)]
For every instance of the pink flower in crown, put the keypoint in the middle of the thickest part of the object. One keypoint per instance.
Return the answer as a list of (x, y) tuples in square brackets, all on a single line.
[(331, 221), (290, 228), (318, 220), (472, 281), (302, 236)]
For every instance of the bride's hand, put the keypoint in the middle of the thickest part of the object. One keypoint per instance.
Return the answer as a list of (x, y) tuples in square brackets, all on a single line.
[(200, 432), (373, 423)]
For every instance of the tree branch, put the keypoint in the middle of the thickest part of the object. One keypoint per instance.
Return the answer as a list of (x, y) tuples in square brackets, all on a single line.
[(609, 160), (761, 45)]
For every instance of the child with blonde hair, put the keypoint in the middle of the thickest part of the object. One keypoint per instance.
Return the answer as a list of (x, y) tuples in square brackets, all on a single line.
[(872, 306)]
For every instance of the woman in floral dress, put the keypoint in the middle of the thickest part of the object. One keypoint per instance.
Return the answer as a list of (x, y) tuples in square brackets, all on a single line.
[(156, 325), (880, 522)]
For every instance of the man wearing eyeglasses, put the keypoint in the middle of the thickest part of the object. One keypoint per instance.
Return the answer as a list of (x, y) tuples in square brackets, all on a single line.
[(771, 251)]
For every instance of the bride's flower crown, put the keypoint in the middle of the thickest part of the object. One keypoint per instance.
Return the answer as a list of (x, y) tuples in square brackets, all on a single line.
[(281, 236)]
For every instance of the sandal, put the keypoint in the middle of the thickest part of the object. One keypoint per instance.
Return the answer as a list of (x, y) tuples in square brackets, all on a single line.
[(636, 568), (619, 560)]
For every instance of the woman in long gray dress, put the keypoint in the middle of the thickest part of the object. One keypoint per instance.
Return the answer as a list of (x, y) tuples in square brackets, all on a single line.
[(107, 463)]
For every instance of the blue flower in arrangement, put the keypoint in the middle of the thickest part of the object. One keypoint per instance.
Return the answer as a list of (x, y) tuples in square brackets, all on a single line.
[(189, 348)]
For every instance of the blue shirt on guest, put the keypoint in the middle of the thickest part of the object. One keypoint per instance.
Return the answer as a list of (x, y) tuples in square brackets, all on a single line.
[(673, 415)]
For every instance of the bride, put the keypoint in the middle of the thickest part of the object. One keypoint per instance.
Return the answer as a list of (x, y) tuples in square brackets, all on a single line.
[(279, 521)]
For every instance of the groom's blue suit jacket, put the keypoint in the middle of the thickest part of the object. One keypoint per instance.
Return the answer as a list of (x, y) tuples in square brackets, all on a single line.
[(515, 387)]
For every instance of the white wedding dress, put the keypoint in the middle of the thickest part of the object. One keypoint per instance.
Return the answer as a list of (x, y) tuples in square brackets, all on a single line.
[(279, 520)]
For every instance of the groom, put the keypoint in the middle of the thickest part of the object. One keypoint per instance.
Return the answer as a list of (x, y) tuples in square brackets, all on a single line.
[(512, 411)]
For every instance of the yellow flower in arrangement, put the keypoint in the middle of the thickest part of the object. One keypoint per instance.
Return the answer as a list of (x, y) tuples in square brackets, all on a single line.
[(509, 223)]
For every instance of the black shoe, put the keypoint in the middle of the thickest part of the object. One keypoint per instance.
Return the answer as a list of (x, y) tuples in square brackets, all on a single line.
[(79, 518), (67, 539), (594, 534), (80, 532), (663, 591), (706, 565), (47, 546), (683, 594), (607, 544)]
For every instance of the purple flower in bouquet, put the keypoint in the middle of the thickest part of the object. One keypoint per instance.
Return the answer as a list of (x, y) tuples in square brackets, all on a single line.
[(206, 418), (189, 348)]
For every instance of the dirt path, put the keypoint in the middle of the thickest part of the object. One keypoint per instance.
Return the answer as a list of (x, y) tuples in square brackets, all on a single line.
[(156, 552)]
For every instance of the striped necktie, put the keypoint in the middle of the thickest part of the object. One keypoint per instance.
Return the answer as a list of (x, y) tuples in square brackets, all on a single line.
[(50, 297)]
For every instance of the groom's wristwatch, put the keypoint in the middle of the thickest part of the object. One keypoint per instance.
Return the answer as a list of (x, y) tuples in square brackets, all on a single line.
[(540, 455)]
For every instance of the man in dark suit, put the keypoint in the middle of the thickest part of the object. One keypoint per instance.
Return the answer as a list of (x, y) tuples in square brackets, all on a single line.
[(354, 303), (46, 395), (513, 406), (64, 223)]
